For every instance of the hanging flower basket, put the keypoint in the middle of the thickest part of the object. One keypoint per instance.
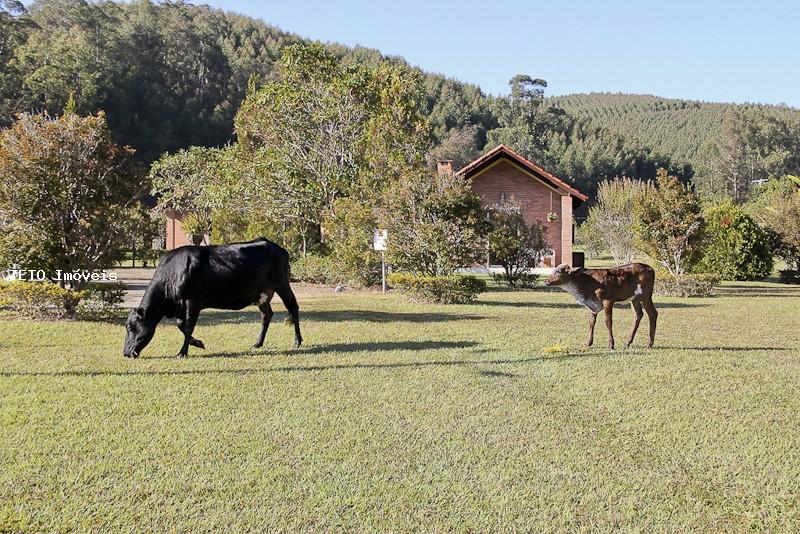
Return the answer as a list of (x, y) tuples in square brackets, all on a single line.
[(552, 217)]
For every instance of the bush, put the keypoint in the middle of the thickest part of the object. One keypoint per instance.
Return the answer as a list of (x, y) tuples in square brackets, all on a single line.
[(315, 269), (736, 247), (40, 300), (515, 245), (790, 276), (436, 224), (452, 289), (102, 301), (686, 285), (521, 280)]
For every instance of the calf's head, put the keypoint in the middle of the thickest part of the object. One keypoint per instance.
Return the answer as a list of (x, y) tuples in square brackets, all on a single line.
[(563, 274), (139, 333)]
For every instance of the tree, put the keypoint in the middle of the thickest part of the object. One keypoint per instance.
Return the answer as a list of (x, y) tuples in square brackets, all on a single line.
[(778, 208), (736, 247), (514, 244), (525, 123), (611, 220), (349, 229), (329, 126), (669, 224), (435, 222), (14, 25), (65, 191), (461, 146)]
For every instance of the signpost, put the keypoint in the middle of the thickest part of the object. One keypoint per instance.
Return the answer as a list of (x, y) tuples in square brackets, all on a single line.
[(379, 245)]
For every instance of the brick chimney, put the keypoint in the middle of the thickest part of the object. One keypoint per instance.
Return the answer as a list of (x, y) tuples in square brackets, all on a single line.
[(445, 166)]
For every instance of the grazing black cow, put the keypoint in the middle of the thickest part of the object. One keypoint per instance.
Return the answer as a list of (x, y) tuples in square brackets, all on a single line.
[(227, 277)]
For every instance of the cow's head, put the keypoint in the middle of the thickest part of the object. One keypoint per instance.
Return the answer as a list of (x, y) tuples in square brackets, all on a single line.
[(139, 333), (563, 274)]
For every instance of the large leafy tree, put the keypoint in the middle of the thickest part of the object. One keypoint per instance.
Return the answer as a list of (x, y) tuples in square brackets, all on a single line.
[(324, 130), (66, 191), (669, 224), (778, 208), (526, 123), (14, 26)]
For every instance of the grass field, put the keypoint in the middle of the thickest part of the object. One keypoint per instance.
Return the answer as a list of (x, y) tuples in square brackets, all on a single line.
[(399, 417)]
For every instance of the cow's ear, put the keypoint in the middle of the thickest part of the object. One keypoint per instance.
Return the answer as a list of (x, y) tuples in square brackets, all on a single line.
[(576, 270), (140, 312)]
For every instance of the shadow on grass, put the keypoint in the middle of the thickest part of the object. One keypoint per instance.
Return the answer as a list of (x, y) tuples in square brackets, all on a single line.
[(378, 366), (312, 368), (336, 348), (567, 305), (496, 374), (369, 316)]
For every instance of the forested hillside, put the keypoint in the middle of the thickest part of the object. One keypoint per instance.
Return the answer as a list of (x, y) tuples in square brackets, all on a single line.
[(171, 75), (674, 128)]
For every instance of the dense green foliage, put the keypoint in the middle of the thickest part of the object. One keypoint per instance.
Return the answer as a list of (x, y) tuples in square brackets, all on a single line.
[(171, 75), (674, 129), (67, 194), (736, 248)]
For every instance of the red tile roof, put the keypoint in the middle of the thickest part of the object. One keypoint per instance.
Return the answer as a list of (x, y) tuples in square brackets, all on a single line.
[(503, 150)]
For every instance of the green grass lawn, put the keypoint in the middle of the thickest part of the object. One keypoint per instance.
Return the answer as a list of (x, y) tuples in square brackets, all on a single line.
[(399, 417)]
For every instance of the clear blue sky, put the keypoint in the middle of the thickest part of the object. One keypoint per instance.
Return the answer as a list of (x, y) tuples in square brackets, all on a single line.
[(714, 50)]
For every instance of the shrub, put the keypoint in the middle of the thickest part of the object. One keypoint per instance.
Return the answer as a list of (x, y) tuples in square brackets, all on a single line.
[(452, 289), (669, 224), (315, 269), (40, 300), (736, 247), (686, 285), (790, 276), (102, 301), (515, 245), (522, 280), (435, 222)]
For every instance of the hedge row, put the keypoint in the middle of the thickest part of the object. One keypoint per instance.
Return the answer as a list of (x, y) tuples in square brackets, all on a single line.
[(46, 300), (686, 285)]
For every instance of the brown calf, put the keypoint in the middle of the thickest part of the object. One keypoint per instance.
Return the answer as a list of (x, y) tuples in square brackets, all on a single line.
[(599, 289)]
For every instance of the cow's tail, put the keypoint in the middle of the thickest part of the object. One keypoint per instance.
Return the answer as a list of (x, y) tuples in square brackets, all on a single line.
[(286, 274)]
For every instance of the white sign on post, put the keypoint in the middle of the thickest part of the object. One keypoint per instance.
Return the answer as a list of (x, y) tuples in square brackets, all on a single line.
[(379, 244), (379, 239)]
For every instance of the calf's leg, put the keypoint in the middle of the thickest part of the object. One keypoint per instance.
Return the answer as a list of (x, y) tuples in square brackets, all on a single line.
[(287, 296), (266, 316), (652, 316), (636, 306), (608, 307), (592, 321)]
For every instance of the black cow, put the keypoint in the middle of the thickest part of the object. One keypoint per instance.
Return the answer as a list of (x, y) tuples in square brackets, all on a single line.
[(227, 277)]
